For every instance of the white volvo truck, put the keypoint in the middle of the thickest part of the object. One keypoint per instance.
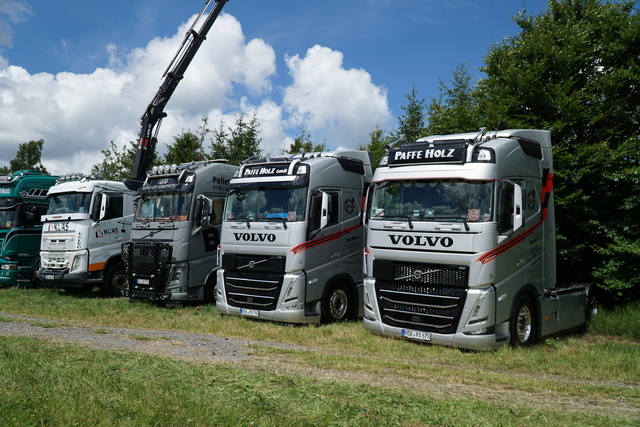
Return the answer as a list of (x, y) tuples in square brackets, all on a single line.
[(86, 223), (291, 244), (176, 232), (460, 244)]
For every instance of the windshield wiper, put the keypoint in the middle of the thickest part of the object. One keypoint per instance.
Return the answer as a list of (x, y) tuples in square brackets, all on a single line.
[(284, 221), (241, 220)]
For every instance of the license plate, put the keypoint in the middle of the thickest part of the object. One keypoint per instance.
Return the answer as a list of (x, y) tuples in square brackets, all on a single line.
[(142, 281), (250, 312), (48, 276), (416, 335)]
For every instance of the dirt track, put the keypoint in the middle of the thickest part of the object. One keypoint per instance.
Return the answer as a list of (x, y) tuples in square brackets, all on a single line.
[(184, 345), (205, 348)]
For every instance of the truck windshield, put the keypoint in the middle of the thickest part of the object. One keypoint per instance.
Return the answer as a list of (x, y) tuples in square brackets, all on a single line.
[(8, 218), (69, 203), (266, 204), (163, 207), (432, 200)]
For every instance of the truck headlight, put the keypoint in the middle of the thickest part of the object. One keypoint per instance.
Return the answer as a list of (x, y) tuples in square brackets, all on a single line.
[(292, 295), (174, 279), (482, 317), (9, 267), (79, 262)]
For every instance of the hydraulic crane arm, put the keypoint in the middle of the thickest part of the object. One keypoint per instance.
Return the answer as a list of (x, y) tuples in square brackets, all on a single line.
[(154, 113)]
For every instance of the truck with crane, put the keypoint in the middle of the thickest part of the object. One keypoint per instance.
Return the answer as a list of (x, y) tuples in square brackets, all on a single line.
[(176, 226), (23, 199), (292, 238), (460, 246), (83, 229)]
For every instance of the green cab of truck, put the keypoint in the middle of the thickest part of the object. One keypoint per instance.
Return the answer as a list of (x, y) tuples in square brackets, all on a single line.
[(23, 199)]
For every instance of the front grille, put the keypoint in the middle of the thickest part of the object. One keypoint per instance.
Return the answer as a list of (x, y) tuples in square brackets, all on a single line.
[(424, 297), (253, 281), (431, 274), (52, 261), (146, 265), (59, 243)]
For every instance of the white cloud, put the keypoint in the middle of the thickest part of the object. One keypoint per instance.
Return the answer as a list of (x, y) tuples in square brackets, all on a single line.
[(77, 115), (344, 105)]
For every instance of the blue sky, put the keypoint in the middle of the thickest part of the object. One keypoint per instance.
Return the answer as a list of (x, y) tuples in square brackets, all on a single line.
[(79, 74)]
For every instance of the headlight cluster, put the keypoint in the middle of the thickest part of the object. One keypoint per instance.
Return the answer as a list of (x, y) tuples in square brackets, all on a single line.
[(79, 262)]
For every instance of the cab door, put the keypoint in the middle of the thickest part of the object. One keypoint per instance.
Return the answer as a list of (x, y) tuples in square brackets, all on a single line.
[(322, 255)]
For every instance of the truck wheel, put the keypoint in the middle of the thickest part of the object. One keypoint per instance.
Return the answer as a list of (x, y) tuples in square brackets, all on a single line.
[(209, 296), (523, 322), (593, 304), (35, 282), (114, 281), (337, 304)]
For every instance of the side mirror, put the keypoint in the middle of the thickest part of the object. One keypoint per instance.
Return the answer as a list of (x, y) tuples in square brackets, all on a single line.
[(517, 207), (324, 215), (104, 206), (204, 208), (100, 207), (31, 217), (95, 208)]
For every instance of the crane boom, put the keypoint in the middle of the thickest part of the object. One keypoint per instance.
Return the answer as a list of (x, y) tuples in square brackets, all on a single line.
[(154, 113)]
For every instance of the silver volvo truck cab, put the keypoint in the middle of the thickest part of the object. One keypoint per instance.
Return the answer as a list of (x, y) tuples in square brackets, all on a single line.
[(460, 246), (292, 238)]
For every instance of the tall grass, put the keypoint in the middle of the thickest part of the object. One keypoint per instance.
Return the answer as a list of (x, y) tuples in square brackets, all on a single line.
[(622, 321)]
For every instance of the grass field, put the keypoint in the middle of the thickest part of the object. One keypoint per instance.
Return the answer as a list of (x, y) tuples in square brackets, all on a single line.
[(346, 377)]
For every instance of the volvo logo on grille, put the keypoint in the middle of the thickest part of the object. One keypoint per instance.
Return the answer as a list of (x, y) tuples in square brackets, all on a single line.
[(252, 264), (417, 274)]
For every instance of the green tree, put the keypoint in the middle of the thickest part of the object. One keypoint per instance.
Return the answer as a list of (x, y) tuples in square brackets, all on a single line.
[(456, 110), (379, 140), (411, 124), (116, 165), (574, 69), (187, 147), (237, 143), (28, 157), (304, 144)]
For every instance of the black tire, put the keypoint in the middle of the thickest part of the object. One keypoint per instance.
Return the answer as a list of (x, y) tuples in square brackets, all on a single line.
[(337, 304), (114, 281), (593, 305), (523, 325), (35, 282), (209, 296)]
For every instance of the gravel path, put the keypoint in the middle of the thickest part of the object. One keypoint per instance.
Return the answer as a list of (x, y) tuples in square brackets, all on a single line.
[(184, 345)]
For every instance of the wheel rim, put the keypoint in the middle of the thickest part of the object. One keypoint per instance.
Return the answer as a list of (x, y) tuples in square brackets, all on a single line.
[(119, 281), (338, 304), (524, 324)]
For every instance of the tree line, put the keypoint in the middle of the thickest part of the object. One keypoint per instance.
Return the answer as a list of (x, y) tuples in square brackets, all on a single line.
[(572, 69)]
